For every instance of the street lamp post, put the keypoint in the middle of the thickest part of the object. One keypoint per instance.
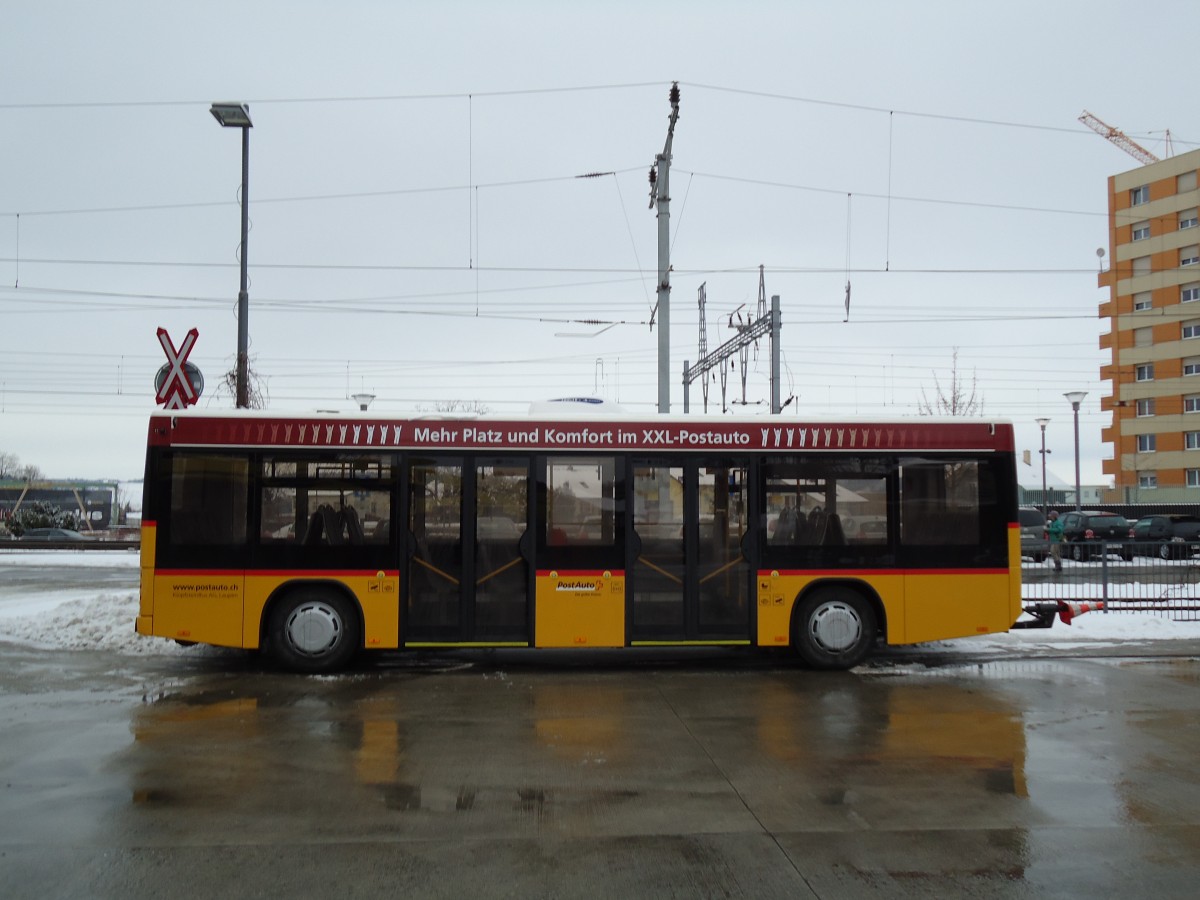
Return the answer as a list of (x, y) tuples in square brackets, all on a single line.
[(237, 115), (1042, 423), (1075, 398)]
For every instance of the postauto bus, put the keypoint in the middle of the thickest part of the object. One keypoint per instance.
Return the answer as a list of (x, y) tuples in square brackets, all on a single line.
[(316, 537)]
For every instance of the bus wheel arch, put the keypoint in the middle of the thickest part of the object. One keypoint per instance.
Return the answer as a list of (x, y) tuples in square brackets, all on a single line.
[(835, 624), (312, 626)]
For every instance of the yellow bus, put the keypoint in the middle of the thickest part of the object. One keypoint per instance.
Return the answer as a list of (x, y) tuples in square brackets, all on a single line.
[(315, 537)]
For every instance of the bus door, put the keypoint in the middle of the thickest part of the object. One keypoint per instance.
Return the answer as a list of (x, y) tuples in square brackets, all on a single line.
[(580, 547), (467, 572), (689, 577), (500, 575)]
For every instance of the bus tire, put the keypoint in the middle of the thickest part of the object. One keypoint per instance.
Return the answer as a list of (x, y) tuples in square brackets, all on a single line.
[(313, 630), (834, 628)]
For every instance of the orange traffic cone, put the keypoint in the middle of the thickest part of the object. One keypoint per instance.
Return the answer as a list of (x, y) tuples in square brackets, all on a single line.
[(1069, 609)]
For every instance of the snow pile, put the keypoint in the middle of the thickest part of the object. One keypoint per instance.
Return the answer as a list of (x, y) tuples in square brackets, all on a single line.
[(103, 622), (1094, 629), (79, 618)]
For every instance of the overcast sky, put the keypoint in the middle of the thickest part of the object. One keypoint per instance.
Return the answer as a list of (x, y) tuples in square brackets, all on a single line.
[(419, 230)]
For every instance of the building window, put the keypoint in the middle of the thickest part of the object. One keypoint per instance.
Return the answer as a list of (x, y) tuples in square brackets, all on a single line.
[(1145, 408), (1145, 372), (1185, 182), (1141, 265), (1187, 219), (1143, 337), (1191, 440), (1139, 195), (1193, 477), (1147, 443), (1191, 328), (1148, 480), (1142, 300), (1141, 231), (1191, 365), (1191, 403), (1189, 292), (1190, 256)]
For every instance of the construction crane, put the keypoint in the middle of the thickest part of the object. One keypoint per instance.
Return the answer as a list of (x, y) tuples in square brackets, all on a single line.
[(1118, 137)]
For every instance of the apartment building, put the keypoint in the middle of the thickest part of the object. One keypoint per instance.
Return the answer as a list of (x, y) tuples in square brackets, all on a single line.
[(1153, 312)]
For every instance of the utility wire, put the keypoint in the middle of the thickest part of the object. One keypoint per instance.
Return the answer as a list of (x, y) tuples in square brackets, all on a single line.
[(365, 98), (518, 92), (598, 270)]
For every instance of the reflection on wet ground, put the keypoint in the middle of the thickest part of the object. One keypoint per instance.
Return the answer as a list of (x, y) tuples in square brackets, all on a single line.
[(516, 774)]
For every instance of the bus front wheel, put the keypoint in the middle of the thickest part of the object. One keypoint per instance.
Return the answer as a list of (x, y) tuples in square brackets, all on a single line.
[(834, 628), (312, 630)]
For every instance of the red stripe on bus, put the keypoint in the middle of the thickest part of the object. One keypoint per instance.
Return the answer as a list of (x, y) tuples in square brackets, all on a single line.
[(537, 435), (828, 573), (281, 573)]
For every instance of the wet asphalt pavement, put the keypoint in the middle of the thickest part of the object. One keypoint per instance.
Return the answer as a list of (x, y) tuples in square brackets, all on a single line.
[(619, 774), (555, 775)]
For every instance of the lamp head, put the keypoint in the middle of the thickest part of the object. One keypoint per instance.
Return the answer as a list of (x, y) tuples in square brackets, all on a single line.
[(232, 115)]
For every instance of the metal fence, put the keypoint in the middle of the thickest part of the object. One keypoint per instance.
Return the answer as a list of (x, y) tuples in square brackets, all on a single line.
[(1135, 578)]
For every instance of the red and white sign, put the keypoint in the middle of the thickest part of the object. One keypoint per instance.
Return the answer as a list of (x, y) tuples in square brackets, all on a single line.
[(179, 382)]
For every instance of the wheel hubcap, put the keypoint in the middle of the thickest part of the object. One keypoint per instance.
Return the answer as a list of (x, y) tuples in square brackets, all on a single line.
[(314, 629), (836, 627)]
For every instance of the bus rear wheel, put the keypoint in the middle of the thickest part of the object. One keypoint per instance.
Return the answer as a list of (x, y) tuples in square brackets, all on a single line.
[(313, 630), (834, 628)]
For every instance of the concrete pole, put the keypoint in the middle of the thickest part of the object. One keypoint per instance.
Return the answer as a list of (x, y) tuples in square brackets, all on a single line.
[(1043, 422), (243, 312), (664, 280), (662, 196), (1075, 398)]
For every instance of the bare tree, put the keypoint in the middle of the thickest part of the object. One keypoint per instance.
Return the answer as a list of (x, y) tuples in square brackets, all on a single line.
[(956, 399), (455, 407), (12, 470), (257, 395), (30, 473)]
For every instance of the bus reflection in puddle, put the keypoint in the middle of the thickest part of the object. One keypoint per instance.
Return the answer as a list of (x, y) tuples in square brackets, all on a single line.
[(427, 744)]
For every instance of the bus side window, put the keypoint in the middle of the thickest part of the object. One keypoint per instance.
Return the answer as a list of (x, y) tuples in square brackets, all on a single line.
[(353, 527), (335, 525), (315, 533), (209, 495), (814, 530), (785, 526), (834, 535)]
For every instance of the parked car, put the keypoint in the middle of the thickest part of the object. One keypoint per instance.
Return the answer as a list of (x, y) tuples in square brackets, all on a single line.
[(1091, 532), (1167, 535), (1034, 542), (51, 534)]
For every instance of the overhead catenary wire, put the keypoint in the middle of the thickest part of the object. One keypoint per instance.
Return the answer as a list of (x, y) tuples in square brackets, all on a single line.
[(587, 88), (598, 270), (347, 306)]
